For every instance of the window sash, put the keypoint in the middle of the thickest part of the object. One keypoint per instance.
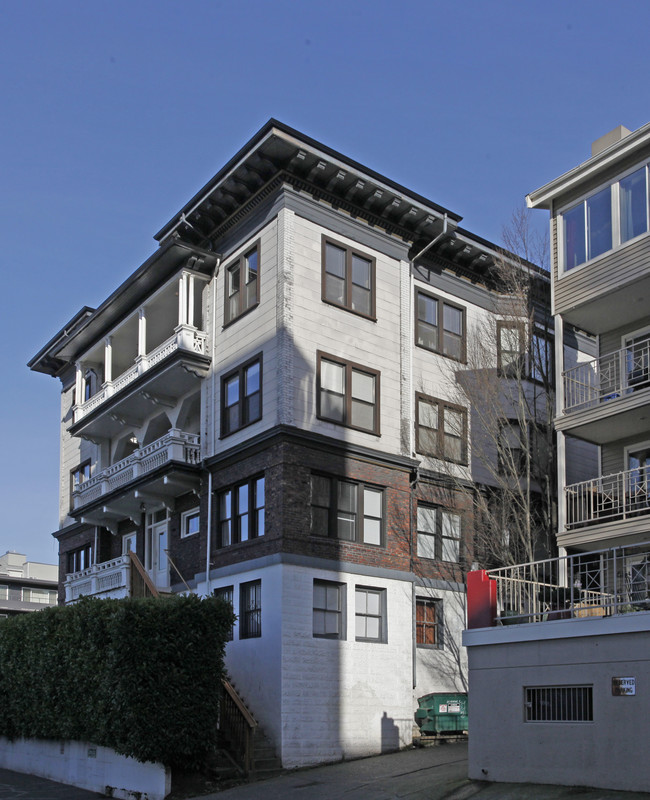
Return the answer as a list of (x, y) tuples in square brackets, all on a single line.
[(250, 610), (438, 533), (226, 593), (328, 610), (440, 326), (241, 512), (369, 614), (347, 511), (441, 429), (428, 622), (348, 394), (348, 279), (242, 284), (241, 396)]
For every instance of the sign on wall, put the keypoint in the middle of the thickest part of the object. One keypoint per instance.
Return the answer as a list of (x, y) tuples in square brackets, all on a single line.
[(623, 686)]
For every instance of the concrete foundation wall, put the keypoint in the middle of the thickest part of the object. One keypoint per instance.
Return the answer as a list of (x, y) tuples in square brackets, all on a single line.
[(610, 751), (98, 769)]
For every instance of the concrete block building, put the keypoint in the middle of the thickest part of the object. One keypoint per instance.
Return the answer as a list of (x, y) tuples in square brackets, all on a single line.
[(26, 585), (267, 409)]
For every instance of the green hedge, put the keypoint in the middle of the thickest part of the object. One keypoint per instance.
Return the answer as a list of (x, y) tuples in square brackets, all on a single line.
[(141, 676)]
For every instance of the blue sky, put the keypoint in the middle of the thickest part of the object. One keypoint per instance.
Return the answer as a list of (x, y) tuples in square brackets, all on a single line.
[(115, 113)]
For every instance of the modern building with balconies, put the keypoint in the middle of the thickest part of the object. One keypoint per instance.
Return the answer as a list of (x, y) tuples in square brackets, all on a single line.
[(561, 646), (267, 409), (25, 585)]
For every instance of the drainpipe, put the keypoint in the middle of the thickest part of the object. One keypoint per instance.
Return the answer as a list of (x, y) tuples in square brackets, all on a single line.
[(442, 233), (209, 526)]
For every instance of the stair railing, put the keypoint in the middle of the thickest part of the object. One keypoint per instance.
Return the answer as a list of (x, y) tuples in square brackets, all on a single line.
[(237, 725), (141, 583)]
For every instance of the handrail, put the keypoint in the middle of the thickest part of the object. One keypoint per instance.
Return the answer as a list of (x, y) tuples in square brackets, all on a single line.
[(250, 719), (237, 725), (178, 572), (146, 580)]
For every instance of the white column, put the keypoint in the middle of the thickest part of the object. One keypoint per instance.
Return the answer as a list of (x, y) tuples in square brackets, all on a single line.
[(108, 359), (559, 364), (142, 331), (190, 299), (78, 384), (561, 481), (182, 301)]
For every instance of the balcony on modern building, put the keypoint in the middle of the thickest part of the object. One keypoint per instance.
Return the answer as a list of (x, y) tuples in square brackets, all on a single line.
[(152, 358), (608, 398), (153, 474)]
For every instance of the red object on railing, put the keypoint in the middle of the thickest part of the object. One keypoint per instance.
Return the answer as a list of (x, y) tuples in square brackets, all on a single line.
[(481, 599)]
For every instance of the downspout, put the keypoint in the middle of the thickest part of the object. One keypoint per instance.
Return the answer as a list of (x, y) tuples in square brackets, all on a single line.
[(442, 233), (215, 272)]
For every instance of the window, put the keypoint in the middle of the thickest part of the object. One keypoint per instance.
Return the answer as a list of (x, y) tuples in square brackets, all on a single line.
[(241, 512), (438, 533), (242, 284), (78, 476), (190, 522), (370, 614), (79, 559), (348, 279), (241, 396), (558, 704), (226, 594), (608, 218), (428, 622), (512, 448), (129, 543), (250, 610), (441, 429), (4, 592), (43, 596), (345, 510), (348, 394), (440, 326), (329, 610), (511, 347)]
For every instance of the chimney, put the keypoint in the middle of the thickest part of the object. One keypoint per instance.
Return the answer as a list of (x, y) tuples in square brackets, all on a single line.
[(609, 139)]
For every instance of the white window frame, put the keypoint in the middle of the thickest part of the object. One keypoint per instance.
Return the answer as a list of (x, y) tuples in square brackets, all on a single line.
[(382, 637), (615, 219), (185, 517)]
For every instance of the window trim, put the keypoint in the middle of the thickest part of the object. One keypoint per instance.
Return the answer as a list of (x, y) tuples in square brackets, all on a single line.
[(78, 469), (350, 367), (332, 516), (241, 261), (438, 536), (240, 372), (349, 253), (235, 515), (383, 606), (246, 629), (341, 611), (442, 302), (185, 517), (441, 404), (615, 219), (438, 604)]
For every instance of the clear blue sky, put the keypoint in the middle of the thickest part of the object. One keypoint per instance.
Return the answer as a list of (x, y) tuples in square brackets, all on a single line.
[(115, 113)]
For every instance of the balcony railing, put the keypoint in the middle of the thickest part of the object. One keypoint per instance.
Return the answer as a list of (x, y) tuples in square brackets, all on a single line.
[(608, 377), (108, 579), (595, 584), (621, 496), (185, 338), (174, 446)]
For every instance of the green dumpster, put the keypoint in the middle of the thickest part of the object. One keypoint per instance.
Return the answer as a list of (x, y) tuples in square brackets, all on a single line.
[(442, 713)]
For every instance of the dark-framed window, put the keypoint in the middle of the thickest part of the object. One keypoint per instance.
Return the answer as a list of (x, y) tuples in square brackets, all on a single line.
[(329, 610), (511, 347), (241, 396), (250, 610), (440, 326), (348, 278), (242, 284), (369, 614), (78, 476), (226, 593), (438, 533), (429, 622), (347, 393), (241, 512), (79, 558), (342, 509), (441, 429)]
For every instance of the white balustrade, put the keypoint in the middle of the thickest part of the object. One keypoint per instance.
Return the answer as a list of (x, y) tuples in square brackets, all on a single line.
[(107, 579)]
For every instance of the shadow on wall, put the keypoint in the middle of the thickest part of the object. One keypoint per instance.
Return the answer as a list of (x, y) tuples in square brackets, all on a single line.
[(390, 740)]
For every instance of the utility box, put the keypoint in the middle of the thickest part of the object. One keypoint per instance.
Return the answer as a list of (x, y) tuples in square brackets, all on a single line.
[(442, 713)]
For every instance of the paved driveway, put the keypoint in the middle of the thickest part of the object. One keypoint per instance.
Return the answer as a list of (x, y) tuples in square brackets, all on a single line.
[(16, 786)]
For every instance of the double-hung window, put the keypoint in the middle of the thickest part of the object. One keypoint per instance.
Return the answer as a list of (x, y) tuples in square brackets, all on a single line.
[(348, 279), (329, 610), (511, 347), (250, 610), (428, 622), (369, 614), (241, 512), (441, 429), (438, 533), (242, 284), (342, 509), (348, 394), (241, 396), (440, 326), (78, 476)]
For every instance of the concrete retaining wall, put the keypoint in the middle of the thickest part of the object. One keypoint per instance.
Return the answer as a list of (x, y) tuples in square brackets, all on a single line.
[(88, 766)]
